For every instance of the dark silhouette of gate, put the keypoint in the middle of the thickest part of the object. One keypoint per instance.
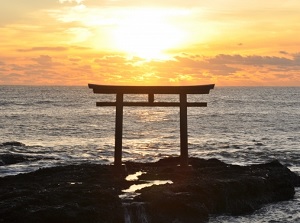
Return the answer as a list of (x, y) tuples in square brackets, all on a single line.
[(182, 91)]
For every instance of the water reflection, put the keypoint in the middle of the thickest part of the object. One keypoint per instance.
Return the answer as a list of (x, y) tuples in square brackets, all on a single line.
[(133, 177), (133, 188), (131, 192)]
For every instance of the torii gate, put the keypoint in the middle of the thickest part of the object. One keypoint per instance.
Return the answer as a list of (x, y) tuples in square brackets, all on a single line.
[(151, 90)]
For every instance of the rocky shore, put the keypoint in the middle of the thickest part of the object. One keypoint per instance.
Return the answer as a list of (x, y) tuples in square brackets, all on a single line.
[(91, 193)]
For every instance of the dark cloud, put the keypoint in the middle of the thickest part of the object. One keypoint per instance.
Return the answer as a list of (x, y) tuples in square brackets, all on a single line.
[(283, 76), (45, 61), (3, 68), (59, 48), (283, 52), (82, 69), (297, 58), (16, 67), (10, 78), (75, 60), (111, 60), (81, 48), (253, 60), (193, 65)]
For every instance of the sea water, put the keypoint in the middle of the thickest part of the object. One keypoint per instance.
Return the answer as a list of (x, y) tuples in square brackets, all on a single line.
[(241, 125)]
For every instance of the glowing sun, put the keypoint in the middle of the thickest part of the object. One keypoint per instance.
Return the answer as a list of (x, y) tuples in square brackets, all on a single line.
[(147, 34)]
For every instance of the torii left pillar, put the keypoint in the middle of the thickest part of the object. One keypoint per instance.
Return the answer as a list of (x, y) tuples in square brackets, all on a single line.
[(119, 131)]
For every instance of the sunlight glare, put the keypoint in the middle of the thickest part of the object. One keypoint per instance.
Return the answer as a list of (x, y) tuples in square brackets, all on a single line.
[(146, 34)]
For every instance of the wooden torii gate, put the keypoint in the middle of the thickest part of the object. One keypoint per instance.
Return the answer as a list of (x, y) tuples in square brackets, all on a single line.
[(182, 91)]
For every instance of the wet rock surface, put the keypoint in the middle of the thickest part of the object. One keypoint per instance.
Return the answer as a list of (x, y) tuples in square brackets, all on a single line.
[(213, 187), (13, 143), (90, 193), (8, 159), (12, 158), (83, 193)]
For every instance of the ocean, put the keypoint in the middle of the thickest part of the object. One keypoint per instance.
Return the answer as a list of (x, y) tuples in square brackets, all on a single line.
[(240, 125)]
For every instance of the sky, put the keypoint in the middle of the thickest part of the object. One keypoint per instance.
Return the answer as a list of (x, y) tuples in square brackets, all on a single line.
[(134, 42)]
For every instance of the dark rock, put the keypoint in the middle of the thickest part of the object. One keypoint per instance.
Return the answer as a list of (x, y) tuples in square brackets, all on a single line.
[(13, 143), (213, 187), (8, 159), (89, 193), (83, 193)]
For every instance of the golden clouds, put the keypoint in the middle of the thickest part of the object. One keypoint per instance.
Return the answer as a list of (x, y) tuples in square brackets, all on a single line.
[(129, 42), (221, 69)]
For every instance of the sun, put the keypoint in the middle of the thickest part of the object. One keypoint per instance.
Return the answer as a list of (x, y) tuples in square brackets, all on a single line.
[(147, 34)]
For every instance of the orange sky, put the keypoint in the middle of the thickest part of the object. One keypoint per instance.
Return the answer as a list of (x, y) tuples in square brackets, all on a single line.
[(75, 42)]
